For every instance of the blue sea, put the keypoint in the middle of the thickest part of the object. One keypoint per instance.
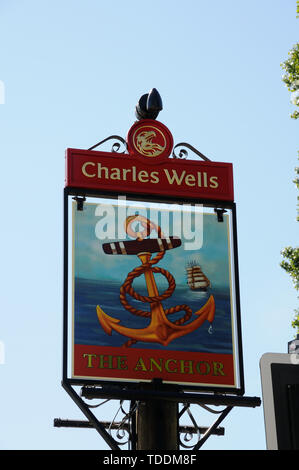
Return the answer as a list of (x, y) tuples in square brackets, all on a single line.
[(90, 293)]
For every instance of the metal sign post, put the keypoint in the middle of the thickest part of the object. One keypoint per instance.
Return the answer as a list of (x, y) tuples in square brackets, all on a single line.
[(151, 288)]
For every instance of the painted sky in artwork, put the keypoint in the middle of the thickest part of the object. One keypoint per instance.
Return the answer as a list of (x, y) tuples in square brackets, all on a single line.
[(212, 250)]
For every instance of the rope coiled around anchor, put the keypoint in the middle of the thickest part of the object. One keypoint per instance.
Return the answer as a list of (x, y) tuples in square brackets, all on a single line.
[(127, 288)]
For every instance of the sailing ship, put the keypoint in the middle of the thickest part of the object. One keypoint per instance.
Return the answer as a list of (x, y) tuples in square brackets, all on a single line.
[(196, 279)]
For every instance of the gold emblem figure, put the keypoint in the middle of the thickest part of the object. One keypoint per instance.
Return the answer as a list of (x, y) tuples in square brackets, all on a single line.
[(145, 145)]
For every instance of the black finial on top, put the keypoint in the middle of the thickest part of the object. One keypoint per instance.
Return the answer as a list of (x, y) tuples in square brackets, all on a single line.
[(149, 105)]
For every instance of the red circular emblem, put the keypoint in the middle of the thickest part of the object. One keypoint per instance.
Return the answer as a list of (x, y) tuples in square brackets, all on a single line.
[(150, 139)]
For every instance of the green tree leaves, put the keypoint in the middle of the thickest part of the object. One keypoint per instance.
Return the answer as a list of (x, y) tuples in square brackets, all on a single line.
[(290, 262), (291, 77)]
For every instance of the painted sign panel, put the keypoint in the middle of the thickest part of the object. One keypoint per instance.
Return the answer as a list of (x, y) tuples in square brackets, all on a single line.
[(153, 294), (142, 175)]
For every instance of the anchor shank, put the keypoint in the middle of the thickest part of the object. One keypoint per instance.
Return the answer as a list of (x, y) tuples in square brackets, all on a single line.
[(149, 276), (158, 316)]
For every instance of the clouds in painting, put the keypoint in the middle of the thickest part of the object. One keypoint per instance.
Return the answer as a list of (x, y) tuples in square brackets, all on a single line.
[(97, 221)]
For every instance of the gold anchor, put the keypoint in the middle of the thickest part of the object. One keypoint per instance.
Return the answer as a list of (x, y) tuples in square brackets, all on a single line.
[(160, 330)]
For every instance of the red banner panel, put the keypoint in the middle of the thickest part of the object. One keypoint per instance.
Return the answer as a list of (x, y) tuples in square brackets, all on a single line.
[(190, 179), (104, 362)]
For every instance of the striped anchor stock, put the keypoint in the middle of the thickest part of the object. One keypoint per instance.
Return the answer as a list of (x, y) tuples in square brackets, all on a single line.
[(133, 247)]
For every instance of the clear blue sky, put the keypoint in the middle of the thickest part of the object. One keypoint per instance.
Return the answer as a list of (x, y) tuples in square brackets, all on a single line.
[(73, 72)]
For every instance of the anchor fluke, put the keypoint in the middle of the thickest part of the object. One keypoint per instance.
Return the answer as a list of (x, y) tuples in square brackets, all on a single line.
[(160, 330), (208, 309), (106, 321)]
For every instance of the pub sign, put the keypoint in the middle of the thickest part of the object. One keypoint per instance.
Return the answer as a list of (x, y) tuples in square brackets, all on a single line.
[(151, 261)]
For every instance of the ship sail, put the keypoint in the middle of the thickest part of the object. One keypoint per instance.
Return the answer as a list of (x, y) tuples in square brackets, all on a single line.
[(196, 279)]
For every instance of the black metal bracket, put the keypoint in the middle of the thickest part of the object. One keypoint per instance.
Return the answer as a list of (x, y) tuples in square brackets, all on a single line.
[(220, 213), (80, 202), (116, 146), (183, 153), (124, 426), (136, 395), (94, 422), (127, 393)]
